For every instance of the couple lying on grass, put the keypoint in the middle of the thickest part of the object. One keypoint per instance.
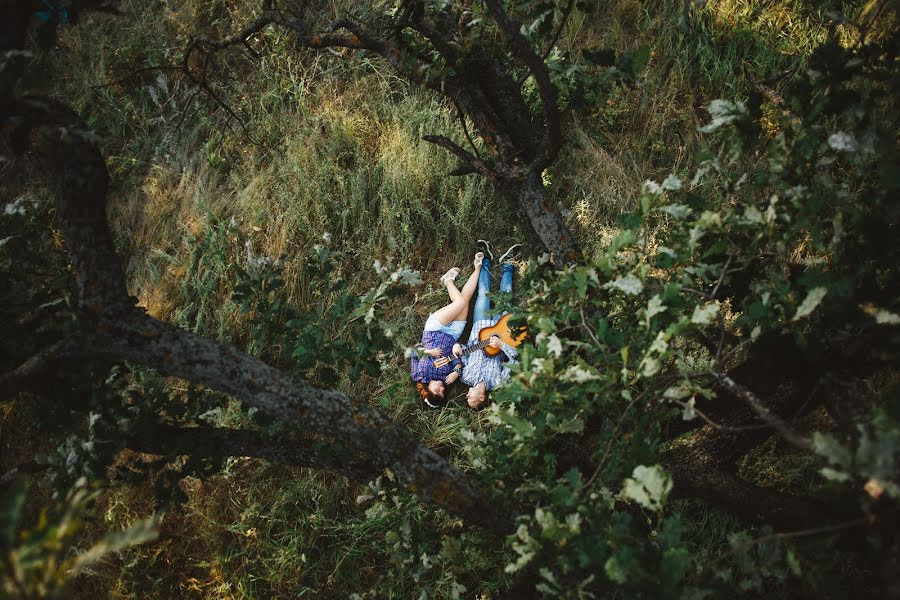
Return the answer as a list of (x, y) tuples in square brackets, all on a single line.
[(477, 370)]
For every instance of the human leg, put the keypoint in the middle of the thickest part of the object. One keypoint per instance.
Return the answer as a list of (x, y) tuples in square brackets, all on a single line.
[(482, 303), (506, 278), (458, 309), (468, 290)]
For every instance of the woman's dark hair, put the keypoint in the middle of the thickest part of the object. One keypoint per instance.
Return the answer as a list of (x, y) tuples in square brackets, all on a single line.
[(429, 399)]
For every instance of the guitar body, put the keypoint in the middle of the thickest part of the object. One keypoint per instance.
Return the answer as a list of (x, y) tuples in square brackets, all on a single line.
[(500, 329)]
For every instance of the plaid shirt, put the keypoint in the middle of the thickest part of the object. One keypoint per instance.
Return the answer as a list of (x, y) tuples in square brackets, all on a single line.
[(478, 366), (423, 369)]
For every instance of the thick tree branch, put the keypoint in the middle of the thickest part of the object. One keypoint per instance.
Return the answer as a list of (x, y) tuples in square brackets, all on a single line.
[(32, 373), (221, 442), (113, 328), (80, 182), (525, 53)]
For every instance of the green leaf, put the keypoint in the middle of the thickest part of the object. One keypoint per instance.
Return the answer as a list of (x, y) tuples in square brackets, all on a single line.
[(705, 315), (834, 475), (603, 57), (827, 446), (648, 486), (809, 304), (629, 284), (794, 563), (654, 307), (640, 58), (614, 570), (10, 509)]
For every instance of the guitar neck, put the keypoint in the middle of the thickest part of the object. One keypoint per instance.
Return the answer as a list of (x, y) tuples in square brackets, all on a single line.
[(475, 348)]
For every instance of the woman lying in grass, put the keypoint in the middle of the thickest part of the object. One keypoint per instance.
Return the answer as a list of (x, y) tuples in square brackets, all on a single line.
[(442, 329)]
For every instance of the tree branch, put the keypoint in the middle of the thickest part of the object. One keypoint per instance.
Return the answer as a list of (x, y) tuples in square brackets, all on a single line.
[(31, 373), (113, 328), (761, 410), (525, 53), (219, 442), (567, 12), (475, 162)]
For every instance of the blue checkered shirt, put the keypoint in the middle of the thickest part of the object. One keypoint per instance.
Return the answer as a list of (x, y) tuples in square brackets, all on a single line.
[(423, 369), (478, 366)]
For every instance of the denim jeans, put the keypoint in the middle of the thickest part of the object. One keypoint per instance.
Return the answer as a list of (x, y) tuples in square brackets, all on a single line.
[(482, 304)]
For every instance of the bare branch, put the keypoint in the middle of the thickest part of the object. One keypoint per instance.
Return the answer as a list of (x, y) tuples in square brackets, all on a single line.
[(33, 370), (567, 12), (713, 424), (462, 121), (761, 410), (780, 536), (475, 162), (612, 438), (715, 290)]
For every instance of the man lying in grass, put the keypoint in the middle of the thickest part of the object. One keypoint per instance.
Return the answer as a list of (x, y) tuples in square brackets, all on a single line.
[(442, 329), (481, 372)]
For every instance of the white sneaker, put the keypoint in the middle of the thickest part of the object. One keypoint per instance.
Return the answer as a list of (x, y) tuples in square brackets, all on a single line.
[(487, 249), (511, 253)]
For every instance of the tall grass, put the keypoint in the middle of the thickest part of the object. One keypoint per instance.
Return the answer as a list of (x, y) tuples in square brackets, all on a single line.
[(335, 145)]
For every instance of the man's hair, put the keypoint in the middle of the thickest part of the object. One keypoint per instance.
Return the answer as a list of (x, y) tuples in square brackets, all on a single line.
[(483, 403), (429, 398)]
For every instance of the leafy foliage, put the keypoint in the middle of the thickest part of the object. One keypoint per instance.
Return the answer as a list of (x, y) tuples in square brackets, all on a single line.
[(781, 236), (713, 264), (38, 562)]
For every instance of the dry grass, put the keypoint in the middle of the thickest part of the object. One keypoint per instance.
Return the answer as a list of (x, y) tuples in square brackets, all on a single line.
[(340, 150)]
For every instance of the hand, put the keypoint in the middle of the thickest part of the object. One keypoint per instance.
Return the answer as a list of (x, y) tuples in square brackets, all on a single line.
[(457, 350), (435, 352), (451, 378), (496, 342)]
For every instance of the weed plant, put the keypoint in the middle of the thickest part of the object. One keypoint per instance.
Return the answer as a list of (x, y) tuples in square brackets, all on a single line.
[(331, 146)]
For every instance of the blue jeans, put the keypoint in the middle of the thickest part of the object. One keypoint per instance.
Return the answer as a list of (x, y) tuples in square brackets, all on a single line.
[(482, 304)]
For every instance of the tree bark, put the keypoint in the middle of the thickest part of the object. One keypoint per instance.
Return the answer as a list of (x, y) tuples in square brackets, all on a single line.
[(221, 442), (520, 145), (699, 472), (111, 327), (547, 229)]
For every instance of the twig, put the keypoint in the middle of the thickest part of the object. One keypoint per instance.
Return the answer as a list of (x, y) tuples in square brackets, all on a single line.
[(612, 439), (721, 322), (588, 329), (462, 121), (761, 410), (37, 366), (712, 423), (781, 536), (562, 25), (135, 72), (476, 163), (712, 294)]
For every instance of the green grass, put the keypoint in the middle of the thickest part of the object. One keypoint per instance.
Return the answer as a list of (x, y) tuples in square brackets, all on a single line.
[(337, 148)]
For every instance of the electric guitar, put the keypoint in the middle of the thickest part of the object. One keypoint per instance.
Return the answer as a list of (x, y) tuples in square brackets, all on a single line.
[(500, 329)]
